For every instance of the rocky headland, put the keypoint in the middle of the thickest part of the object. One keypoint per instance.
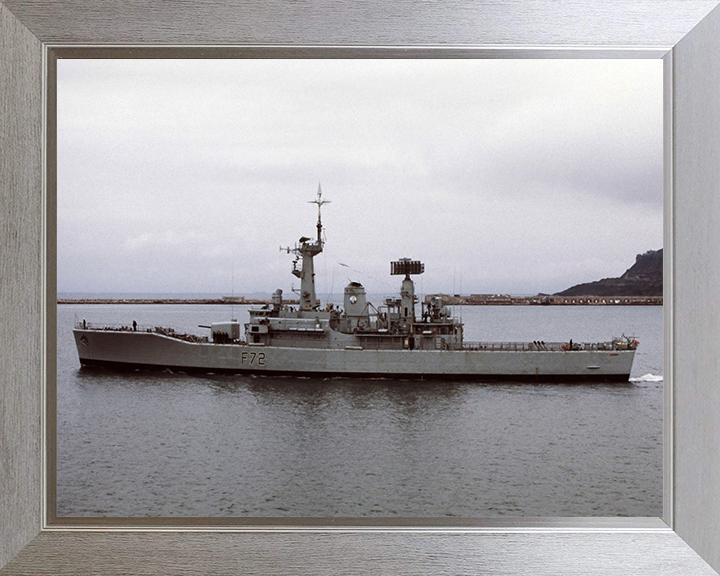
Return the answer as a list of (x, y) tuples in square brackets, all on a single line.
[(644, 278)]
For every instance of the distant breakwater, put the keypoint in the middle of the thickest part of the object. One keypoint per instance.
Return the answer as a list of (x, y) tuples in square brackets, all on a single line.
[(546, 300), (226, 300)]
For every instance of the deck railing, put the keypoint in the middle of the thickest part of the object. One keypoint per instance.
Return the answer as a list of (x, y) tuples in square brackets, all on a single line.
[(141, 328), (114, 327), (538, 346)]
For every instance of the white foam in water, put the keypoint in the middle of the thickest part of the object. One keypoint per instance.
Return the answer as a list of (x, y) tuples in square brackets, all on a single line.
[(647, 378)]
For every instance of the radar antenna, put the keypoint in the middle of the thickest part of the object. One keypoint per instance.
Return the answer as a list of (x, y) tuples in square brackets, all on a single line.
[(319, 201), (407, 291)]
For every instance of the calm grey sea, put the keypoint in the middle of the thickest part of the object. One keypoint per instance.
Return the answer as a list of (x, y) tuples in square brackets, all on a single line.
[(164, 444)]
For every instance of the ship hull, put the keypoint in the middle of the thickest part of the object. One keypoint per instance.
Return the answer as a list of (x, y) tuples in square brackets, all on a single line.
[(124, 350)]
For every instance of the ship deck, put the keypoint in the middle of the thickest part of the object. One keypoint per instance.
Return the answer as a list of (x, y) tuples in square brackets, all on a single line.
[(535, 346)]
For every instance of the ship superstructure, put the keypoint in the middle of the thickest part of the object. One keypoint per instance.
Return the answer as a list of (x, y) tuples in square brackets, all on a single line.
[(359, 339)]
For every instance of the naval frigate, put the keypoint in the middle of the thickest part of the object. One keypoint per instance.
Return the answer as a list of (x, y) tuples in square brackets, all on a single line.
[(358, 340)]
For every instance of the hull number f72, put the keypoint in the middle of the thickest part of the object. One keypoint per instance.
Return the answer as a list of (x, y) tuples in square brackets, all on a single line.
[(257, 358)]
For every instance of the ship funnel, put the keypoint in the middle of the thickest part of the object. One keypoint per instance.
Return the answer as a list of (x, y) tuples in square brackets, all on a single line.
[(355, 303)]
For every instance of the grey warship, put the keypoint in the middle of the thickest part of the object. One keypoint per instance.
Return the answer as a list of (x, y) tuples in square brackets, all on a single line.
[(359, 340)]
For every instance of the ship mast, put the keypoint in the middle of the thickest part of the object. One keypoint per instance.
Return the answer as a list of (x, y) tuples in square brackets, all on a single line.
[(308, 250), (319, 201), (406, 267)]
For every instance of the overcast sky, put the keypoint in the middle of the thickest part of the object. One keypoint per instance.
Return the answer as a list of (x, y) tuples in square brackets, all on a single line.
[(502, 176)]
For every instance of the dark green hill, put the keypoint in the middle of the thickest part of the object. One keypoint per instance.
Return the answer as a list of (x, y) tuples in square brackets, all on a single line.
[(644, 278)]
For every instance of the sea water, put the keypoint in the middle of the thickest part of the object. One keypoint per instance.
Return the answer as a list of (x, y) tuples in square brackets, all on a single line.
[(164, 444)]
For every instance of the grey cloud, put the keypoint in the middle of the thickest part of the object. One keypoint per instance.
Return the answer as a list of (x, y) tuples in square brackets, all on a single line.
[(171, 174)]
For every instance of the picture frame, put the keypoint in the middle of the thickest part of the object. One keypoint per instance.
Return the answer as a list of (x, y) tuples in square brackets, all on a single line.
[(686, 34)]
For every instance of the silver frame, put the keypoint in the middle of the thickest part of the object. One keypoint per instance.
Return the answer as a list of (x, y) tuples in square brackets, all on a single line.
[(686, 33)]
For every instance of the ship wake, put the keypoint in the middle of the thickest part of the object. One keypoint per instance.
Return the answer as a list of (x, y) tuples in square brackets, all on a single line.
[(648, 378)]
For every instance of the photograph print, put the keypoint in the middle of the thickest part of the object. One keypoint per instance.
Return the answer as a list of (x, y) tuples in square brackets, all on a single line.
[(350, 288)]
